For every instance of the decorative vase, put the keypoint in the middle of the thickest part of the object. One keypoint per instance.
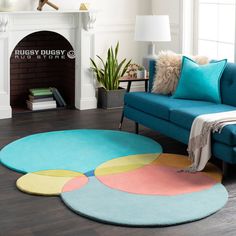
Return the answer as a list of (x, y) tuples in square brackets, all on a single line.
[(7, 5), (141, 74)]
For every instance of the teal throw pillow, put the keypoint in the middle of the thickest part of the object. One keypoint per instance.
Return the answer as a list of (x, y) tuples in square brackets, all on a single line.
[(200, 82)]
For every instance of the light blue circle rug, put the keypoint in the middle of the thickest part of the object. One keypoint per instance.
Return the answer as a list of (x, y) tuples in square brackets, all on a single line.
[(109, 205), (115, 177)]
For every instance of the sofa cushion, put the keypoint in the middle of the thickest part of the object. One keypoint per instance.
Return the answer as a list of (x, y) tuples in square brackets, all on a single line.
[(227, 82), (200, 82), (159, 105), (228, 85), (184, 117)]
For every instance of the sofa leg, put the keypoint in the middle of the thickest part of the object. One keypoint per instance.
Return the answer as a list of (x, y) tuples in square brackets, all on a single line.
[(225, 168), (136, 128)]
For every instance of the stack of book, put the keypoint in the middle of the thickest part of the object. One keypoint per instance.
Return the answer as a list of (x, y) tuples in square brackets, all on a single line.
[(44, 98), (59, 99)]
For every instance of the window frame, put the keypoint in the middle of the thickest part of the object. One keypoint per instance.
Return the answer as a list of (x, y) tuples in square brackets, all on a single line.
[(195, 16)]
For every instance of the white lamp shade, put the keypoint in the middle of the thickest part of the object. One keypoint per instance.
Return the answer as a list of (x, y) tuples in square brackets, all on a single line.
[(152, 28)]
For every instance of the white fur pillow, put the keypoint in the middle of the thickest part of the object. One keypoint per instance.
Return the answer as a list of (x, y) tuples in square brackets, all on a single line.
[(168, 66)]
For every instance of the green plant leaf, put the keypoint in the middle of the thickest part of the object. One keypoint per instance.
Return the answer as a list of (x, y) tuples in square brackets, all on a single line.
[(117, 74), (111, 70), (117, 49), (125, 68), (93, 63), (101, 60)]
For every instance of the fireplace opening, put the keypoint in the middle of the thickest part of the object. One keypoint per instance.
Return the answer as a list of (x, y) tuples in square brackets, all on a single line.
[(41, 60)]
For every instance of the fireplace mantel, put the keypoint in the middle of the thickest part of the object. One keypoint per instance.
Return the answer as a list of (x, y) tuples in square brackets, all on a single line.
[(75, 26)]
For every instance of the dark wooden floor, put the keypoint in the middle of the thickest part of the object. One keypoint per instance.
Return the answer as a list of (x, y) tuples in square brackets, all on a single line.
[(22, 214)]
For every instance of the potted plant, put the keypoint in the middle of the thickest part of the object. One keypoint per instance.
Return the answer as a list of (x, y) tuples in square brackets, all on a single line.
[(110, 95), (141, 72)]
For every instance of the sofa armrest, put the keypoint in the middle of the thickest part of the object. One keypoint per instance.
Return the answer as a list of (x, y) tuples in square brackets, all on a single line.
[(152, 72)]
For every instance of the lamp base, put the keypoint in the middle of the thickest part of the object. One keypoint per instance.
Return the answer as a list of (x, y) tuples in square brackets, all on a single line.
[(151, 56), (147, 59)]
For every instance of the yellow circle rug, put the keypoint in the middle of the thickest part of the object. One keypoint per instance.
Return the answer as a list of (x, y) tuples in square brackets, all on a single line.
[(48, 182)]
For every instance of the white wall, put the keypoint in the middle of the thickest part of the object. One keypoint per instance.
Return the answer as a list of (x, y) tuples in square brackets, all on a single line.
[(115, 22)]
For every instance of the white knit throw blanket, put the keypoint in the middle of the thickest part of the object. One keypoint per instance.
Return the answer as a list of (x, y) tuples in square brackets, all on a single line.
[(199, 147)]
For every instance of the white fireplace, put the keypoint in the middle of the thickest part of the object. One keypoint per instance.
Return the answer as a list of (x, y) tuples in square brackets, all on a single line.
[(75, 26)]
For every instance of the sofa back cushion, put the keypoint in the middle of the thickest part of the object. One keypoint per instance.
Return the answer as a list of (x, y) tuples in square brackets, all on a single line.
[(168, 68), (228, 85), (227, 82), (200, 82)]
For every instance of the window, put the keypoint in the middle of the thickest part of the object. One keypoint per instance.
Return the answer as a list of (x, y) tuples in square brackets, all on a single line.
[(215, 29)]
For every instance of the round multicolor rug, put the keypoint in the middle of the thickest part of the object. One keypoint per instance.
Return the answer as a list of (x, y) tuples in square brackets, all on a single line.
[(115, 177)]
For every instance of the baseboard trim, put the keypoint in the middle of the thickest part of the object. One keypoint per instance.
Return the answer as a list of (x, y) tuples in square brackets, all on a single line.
[(86, 104), (5, 112)]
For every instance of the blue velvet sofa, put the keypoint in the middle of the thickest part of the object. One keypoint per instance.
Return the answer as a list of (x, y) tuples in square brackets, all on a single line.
[(174, 117)]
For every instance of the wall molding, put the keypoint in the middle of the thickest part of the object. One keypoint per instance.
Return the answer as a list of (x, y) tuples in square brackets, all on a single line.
[(175, 29), (113, 27), (128, 27)]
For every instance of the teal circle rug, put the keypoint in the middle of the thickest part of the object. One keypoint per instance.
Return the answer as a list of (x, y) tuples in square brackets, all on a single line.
[(75, 150), (115, 177)]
